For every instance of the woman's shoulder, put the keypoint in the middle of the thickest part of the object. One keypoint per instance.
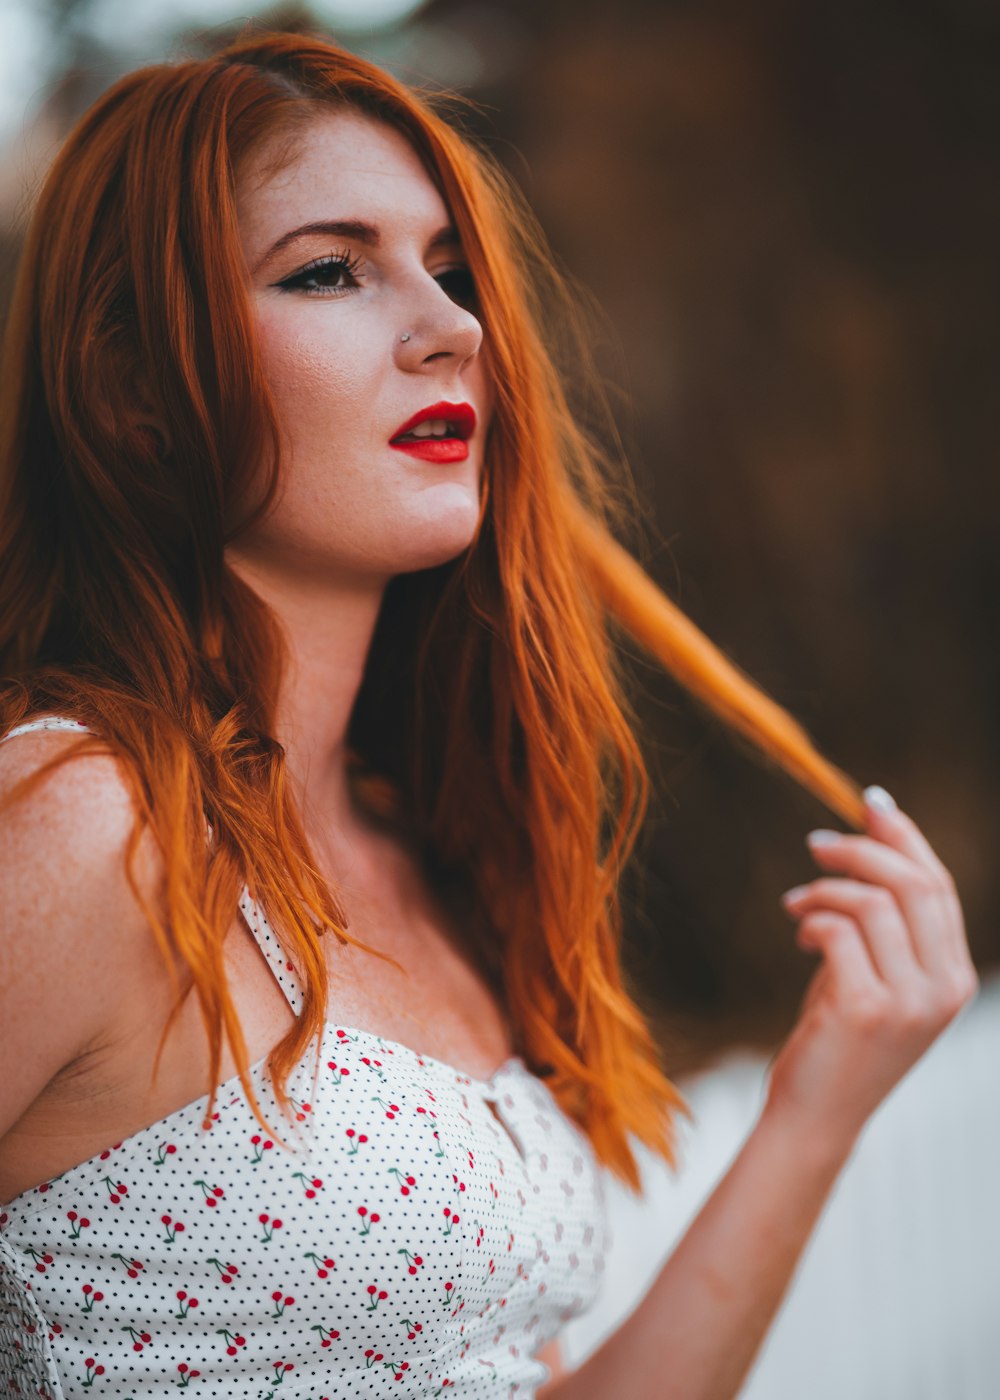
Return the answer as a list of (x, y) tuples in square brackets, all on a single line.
[(71, 929), (65, 826)]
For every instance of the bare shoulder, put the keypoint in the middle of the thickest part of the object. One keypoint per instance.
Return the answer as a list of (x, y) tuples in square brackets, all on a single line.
[(69, 922)]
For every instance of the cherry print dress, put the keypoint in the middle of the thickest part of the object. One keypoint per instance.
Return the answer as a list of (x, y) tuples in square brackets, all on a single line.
[(428, 1235)]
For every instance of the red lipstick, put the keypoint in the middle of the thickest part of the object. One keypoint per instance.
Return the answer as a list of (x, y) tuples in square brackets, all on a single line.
[(452, 447)]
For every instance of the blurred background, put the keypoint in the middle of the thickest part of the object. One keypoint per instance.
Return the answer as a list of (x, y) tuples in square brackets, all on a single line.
[(786, 218)]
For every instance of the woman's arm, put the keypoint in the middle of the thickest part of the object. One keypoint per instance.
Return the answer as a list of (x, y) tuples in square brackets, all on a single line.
[(696, 1332), (551, 1354), (896, 971)]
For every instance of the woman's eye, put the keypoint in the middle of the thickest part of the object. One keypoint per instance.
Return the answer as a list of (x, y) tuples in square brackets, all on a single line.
[(326, 272), (325, 278), (458, 283)]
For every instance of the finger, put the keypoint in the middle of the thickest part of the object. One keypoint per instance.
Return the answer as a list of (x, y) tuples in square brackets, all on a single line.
[(896, 829), (876, 913), (930, 907), (852, 973)]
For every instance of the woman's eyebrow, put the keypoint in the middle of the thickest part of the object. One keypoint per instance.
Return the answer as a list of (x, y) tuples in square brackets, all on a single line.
[(357, 229)]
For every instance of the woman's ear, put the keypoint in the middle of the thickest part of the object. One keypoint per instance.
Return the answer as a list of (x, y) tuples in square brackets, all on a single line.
[(145, 415), (151, 424)]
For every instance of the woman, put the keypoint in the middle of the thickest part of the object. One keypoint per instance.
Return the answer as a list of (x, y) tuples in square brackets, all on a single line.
[(326, 671)]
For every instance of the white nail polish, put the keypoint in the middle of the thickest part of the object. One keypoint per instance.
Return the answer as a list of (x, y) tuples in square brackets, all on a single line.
[(879, 799), (822, 837)]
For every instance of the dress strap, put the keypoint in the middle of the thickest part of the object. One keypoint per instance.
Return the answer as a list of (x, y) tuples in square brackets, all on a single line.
[(46, 722), (257, 923), (277, 959)]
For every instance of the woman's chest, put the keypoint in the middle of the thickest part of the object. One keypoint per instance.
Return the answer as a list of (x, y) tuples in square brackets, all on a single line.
[(430, 998), (402, 1209)]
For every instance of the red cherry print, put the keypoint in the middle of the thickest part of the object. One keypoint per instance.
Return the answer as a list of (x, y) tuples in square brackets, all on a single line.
[(182, 1366), (263, 1219), (89, 1362), (89, 1288)]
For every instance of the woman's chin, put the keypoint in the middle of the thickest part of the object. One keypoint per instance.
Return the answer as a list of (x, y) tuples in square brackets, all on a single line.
[(439, 536)]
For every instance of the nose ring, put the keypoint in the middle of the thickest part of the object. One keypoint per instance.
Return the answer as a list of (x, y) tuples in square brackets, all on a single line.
[(405, 337)]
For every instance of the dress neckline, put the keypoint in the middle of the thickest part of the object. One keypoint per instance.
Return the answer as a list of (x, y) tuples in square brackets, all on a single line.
[(485, 1088)]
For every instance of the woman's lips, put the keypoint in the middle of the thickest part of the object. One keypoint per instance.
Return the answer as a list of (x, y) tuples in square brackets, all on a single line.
[(448, 449)]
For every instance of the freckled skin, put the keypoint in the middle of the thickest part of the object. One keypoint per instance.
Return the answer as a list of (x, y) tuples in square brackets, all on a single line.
[(353, 511)]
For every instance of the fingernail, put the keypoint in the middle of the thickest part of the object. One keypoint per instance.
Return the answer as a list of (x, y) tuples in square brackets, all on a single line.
[(792, 895), (822, 837), (880, 800)]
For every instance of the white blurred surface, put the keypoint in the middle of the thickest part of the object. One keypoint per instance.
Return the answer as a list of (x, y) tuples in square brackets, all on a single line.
[(897, 1295)]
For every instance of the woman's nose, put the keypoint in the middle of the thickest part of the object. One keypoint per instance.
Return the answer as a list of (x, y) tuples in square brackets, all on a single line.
[(437, 326)]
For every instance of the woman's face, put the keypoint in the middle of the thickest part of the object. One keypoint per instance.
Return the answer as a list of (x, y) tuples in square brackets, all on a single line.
[(352, 509)]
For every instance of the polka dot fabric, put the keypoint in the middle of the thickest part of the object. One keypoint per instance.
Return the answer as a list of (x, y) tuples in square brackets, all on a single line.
[(429, 1233)]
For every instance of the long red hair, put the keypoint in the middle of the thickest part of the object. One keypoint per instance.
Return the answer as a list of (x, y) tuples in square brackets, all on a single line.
[(492, 723)]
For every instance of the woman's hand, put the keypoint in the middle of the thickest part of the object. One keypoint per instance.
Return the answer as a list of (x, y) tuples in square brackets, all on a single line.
[(896, 971)]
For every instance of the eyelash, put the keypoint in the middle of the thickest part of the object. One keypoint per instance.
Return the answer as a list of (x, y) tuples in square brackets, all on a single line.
[(343, 262)]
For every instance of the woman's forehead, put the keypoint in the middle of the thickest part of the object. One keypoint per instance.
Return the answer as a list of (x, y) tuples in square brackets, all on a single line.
[(339, 166)]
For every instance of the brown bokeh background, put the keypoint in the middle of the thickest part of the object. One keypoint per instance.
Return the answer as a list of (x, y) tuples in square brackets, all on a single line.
[(789, 216)]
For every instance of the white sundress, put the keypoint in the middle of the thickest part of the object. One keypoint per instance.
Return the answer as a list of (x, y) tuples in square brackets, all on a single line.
[(419, 1243)]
